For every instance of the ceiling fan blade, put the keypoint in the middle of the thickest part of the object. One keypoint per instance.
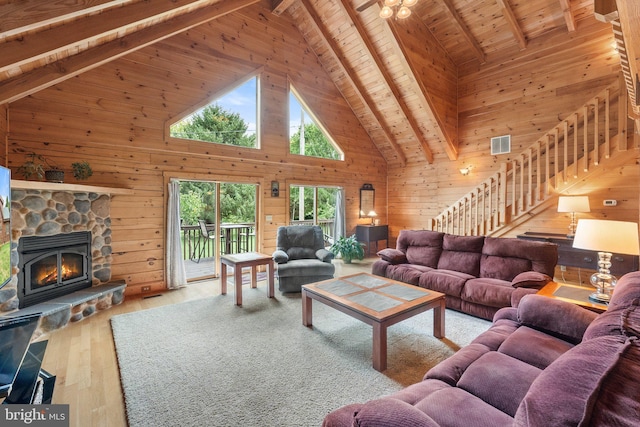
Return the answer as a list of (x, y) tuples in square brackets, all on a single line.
[(366, 5)]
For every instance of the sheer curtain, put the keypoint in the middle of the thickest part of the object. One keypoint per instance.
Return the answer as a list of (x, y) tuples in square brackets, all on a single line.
[(176, 274), (340, 225)]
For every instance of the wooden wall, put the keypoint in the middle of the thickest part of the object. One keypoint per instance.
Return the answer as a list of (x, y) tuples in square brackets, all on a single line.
[(4, 131), (522, 93), (115, 118)]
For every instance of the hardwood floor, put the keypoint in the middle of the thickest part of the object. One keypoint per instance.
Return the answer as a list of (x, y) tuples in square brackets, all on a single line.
[(83, 358)]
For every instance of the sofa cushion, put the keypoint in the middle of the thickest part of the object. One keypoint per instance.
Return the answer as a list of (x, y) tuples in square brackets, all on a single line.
[(499, 380), (548, 348), (461, 253), (621, 320), (305, 267), (504, 258), (422, 247), (565, 321), (624, 293), (446, 281), (455, 407), (451, 369), (567, 390), (488, 292), (407, 273), (530, 279), (503, 268)]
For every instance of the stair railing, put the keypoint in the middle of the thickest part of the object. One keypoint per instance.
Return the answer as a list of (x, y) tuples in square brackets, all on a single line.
[(572, 147)]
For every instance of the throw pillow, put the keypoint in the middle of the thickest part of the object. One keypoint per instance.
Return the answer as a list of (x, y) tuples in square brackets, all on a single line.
[(530, 279), (393, 256)]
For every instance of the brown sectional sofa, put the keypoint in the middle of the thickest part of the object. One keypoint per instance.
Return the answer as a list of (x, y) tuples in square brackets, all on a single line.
[(478, 274), (545, 363)]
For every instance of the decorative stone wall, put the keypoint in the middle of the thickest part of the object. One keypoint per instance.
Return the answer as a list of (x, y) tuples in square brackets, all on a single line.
[(46, 213)]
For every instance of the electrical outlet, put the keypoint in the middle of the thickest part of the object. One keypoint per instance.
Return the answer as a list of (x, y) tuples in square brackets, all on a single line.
[(146, 288), (563, 268)]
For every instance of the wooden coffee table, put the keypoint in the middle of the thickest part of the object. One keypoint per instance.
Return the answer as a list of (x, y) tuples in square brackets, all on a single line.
[(376, 301), (240, 261)]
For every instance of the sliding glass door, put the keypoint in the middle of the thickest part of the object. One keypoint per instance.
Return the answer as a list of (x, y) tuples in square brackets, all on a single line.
[(217, 218)]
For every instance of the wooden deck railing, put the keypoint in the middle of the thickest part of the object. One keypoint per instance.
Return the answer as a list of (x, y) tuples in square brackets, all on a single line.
[(234, 238), (579, 142)]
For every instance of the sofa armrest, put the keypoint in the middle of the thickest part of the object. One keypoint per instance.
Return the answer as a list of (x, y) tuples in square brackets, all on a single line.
[(519, 293), (391, 412), (558, 318), (324, 255), (280, 256), (393, 256)]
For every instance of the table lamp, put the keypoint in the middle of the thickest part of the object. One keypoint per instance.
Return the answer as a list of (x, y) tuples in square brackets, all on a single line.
[(606, 237), (372, 215), (573, 204)]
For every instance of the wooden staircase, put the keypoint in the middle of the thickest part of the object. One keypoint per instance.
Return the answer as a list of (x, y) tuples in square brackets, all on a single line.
[(577, 149)]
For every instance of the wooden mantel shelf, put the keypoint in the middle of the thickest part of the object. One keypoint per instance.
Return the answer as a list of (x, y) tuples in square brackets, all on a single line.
[(54, 186)]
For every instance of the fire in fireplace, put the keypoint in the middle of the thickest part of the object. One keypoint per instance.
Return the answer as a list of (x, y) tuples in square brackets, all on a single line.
[(52, 266)]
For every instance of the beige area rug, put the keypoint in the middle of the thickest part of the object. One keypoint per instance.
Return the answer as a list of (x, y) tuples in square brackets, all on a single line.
[(210, 363)]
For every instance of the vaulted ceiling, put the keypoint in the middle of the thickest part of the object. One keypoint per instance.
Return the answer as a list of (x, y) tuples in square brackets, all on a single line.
[(399, 76)]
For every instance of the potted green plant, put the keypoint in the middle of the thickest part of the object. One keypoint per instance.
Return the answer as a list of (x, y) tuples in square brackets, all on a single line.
[(81, 170), (33, 166), (348, 248), (39, 166)]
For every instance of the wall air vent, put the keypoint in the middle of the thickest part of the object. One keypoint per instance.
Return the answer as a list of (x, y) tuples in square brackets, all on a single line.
[(500, 144)]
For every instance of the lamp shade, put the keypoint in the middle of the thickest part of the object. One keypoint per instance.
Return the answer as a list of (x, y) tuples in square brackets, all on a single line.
[(607, 236), (573, 204)]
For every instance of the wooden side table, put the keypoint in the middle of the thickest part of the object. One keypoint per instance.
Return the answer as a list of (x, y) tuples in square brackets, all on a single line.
[(372, 233), (574, 294), (240, 261)]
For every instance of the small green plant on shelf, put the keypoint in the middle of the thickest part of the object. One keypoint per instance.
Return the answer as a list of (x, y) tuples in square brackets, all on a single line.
[(81, 170), (38, 166), (348, 248)]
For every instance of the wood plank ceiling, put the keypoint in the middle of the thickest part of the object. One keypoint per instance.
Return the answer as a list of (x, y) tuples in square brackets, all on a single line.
[(399, 76)]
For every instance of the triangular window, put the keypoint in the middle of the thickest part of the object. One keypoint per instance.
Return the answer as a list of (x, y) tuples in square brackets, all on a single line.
[(229, 119), (306, 136)]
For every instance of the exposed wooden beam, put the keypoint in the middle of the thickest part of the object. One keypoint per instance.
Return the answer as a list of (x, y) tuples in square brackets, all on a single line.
[(87, 30), (606, 10), (513, 23), (450, 144), (41, 78), (464, 30), (389, 82), (568, 15), (279, 6), (350, 76), (34, 15)]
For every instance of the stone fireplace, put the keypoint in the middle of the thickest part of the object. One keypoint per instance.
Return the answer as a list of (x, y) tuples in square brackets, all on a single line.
[(57, 215)]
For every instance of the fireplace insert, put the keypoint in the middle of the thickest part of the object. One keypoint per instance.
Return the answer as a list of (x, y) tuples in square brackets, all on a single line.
[(53, 266)]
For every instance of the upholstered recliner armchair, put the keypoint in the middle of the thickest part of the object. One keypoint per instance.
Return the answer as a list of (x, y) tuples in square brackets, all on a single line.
[(301, 257)]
